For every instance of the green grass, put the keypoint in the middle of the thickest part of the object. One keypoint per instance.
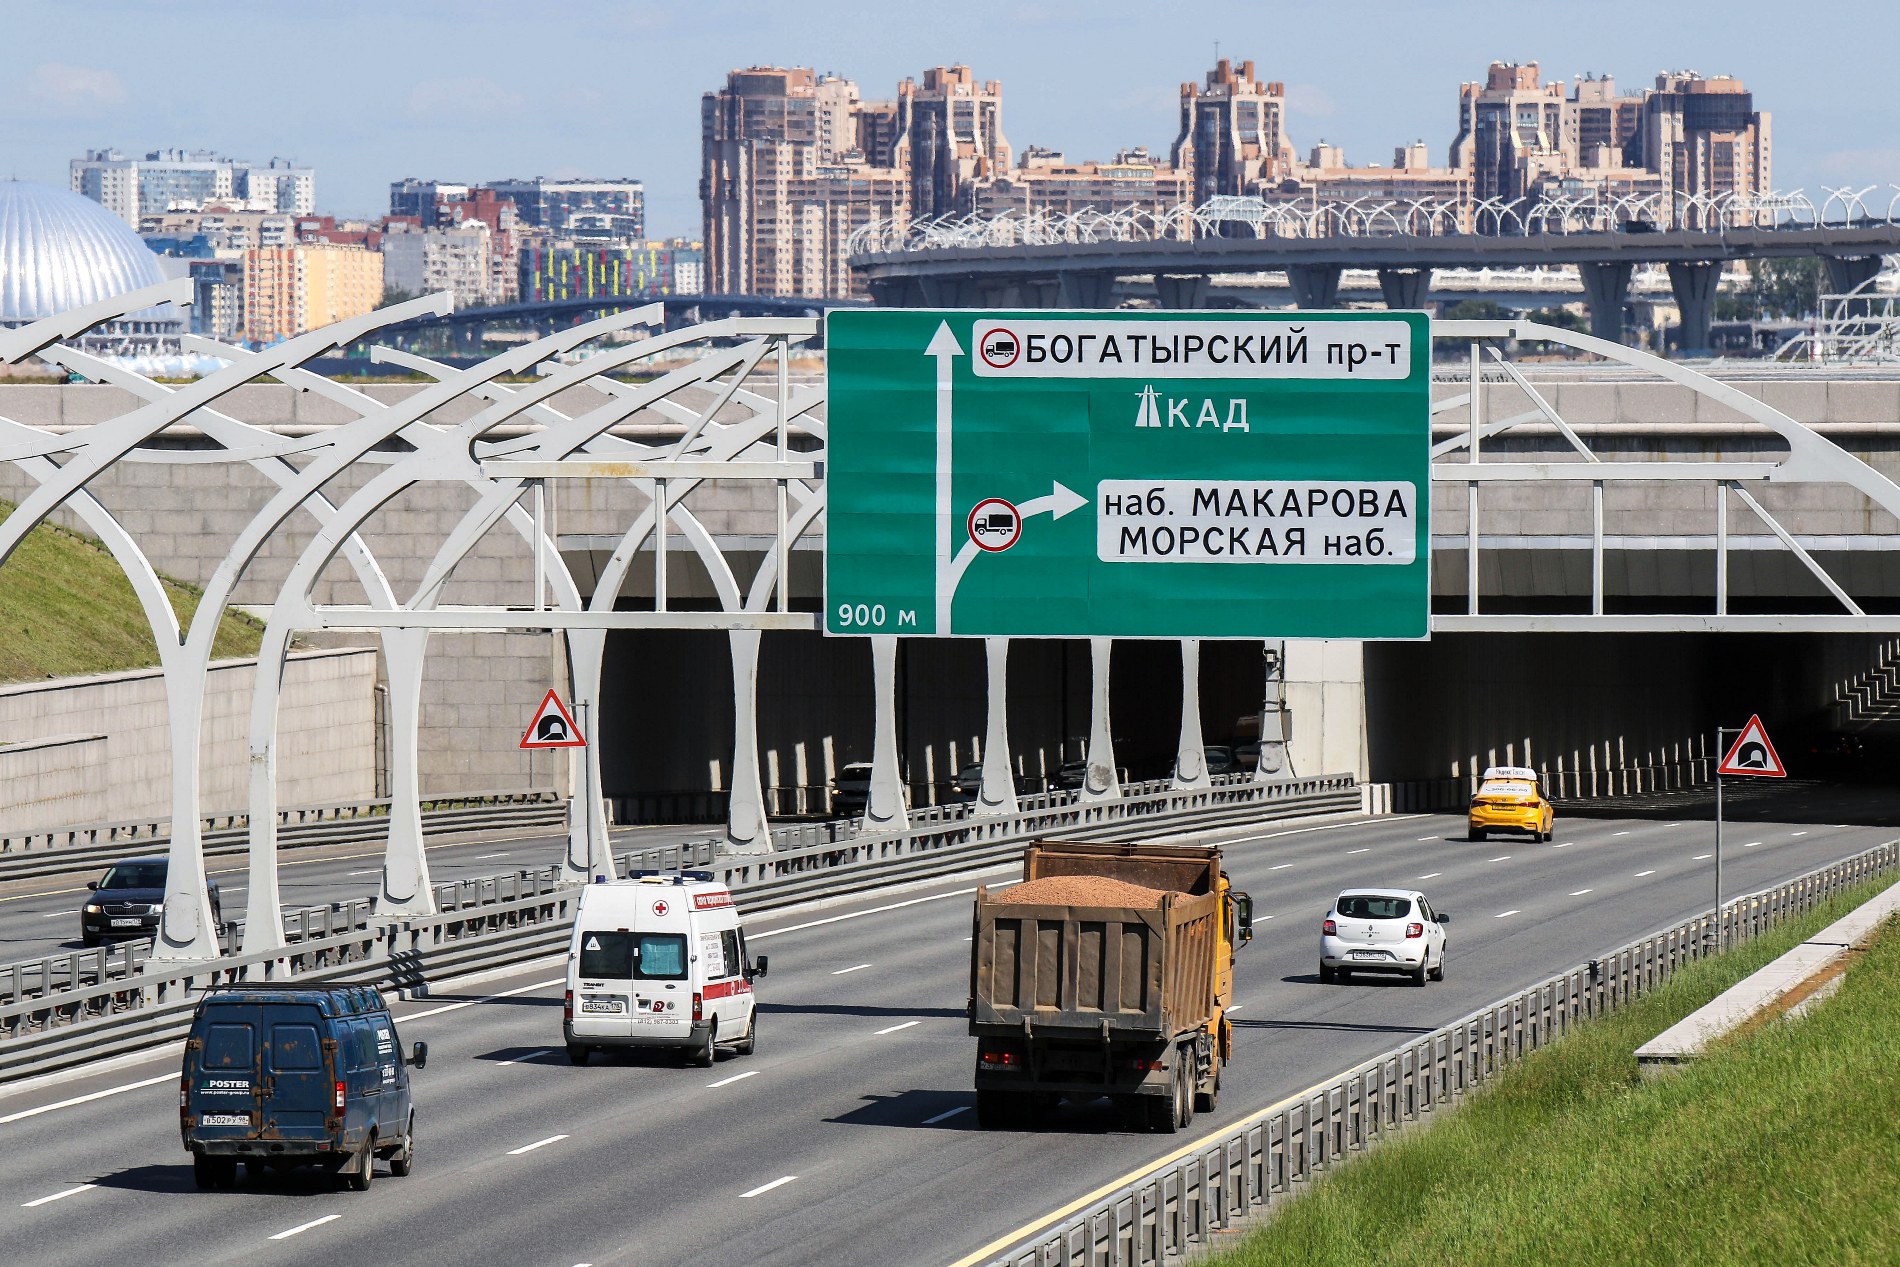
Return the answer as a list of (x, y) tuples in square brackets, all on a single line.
[(66, 610), (1782, 1146)]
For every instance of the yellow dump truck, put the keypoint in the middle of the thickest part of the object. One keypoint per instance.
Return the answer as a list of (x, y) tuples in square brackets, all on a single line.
[(1107, 972)]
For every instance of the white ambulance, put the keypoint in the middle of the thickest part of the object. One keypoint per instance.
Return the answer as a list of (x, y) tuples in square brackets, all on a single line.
[(659, 960)]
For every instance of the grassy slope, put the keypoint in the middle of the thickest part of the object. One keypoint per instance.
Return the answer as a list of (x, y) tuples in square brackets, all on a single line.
[(66, 610), (1784, 1147)]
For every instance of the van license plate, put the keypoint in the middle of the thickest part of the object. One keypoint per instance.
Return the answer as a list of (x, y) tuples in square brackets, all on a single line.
[(225, 1119), (127, 923), (602, 1005)]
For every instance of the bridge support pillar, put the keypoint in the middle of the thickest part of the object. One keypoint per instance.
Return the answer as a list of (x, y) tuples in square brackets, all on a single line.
[(1080, 289), (946, 292), (1040, 292), (1177, 291), (1694, 287), (884, 808), (747, 828), (1404, 289), (998, 793), (1190, 754), (1316, 285), (895, 292), (1103, 780), (1606, 288), (1845, 272)]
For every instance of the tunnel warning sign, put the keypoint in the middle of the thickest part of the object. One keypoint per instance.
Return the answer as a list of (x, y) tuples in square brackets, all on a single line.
[(1128, 474)]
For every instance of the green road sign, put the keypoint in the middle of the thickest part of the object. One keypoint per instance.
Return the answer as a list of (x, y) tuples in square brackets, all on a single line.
[(1128, 474)]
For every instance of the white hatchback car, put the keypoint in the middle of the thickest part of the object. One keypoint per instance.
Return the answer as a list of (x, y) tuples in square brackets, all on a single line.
[(1382, 930)]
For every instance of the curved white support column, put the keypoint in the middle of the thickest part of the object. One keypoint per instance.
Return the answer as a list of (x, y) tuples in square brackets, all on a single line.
[(1190, 757), (185, 931), (406, 889), (884, 808), (998, 793), (747, 829), (1103, 781), (589, 847), (1273, 737)]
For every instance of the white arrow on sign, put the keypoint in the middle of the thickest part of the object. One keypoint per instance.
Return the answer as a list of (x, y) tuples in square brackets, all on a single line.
[(944, 346), (1056, 503)]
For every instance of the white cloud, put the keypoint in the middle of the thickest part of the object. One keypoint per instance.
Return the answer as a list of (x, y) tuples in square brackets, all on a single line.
[(73, 90), (462, 98)]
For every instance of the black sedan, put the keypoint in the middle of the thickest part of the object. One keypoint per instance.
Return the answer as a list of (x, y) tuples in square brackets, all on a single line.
[(129, 901)]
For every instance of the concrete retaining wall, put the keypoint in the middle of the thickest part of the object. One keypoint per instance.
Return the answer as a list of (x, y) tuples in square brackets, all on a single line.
[(89, 750)]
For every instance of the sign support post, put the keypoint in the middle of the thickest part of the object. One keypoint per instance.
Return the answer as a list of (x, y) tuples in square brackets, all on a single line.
[(1721, 939), (1751, 755)]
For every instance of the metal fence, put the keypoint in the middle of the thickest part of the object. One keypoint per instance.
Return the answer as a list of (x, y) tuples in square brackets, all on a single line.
[(71, 1009), (1265, 1158)]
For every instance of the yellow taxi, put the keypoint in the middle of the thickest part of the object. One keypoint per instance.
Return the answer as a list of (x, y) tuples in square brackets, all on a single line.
[(1509, 799)]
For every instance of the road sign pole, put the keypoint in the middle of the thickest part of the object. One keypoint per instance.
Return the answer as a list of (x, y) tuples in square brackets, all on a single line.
[(1720, 939)]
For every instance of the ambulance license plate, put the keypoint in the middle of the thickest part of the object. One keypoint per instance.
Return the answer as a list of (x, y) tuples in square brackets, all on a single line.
[(225, 1119), (603, 1005)]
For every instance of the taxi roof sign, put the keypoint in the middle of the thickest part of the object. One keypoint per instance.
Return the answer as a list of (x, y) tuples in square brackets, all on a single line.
[(552, 726), (1751, 754)]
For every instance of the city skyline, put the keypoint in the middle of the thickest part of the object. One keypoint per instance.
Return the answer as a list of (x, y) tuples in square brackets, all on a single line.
[(453, 111)]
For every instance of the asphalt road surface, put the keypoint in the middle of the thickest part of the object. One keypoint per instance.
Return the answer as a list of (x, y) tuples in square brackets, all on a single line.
[(849, 1137)]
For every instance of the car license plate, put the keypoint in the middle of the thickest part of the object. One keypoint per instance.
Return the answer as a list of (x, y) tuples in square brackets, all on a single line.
[(602, 1005), (1367, 954), (225, 1119), (133, 922)]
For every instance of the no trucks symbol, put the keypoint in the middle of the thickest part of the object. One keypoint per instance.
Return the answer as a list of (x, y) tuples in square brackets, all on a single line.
[(994, 525)]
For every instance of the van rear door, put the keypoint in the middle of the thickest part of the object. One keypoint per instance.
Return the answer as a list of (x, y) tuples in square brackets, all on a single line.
[(224, 1080), (299, 1086)]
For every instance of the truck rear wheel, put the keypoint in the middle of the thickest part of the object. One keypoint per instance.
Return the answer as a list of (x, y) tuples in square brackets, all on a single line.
[(998, 1110)]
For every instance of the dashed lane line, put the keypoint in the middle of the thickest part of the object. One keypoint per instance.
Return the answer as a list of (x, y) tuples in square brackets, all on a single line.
[(1503, 914), (1581, 892), (1431, 875), (1280, 866), (539, 1143), (1564, 845), (1751, 844), (289, 1232), (57, 914), (1641, 874), (58, 1196), (737, 1077), (1354, 851), (487, 998), (767, 1187), (1503, 857), (946, 1115), (856, 967), (894, 1028), (875, 910), (23, 1114), (524, 1059), (1701, 857)]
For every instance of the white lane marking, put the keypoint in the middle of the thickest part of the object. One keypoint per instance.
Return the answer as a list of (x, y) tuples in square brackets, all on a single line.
[(737, 1077), (1619, 833), (371, 871), (1257, 917), (539, 1143), (946, 1116), (1751, 844), (484, 857), (57, 914), (1353, 822), (1365, 850), (1502, 914), (971, 938), (524, 1059), (894, 1028), (1503, 857), (1699, 857), (1236, 1007), (70, 1192), (1280, 866), (1431, 875), (23, 1114), (1423, 839), (489, 998), (287, 1233), (1641, 874), (875, 910), (856, 967), (1564, 845), (1798, 833), (767, 1187), (1581, 892)]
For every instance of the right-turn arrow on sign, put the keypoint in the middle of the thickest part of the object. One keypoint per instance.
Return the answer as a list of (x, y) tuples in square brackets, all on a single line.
[(1133, 474)]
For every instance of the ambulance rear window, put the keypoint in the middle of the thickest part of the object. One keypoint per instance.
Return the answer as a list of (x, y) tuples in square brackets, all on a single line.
[(629, 956)]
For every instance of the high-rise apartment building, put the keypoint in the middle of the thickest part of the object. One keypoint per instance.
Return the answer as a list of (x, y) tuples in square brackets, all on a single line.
[(1512, 131), (422, 261), (164, 180), (1704, 136), (1232, 135), (602, 209), (418, 198), (291, 289), (949, 133)]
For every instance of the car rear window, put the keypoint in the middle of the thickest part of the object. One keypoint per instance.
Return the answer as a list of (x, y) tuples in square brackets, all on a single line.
[(1372, 906), (1506, 787)]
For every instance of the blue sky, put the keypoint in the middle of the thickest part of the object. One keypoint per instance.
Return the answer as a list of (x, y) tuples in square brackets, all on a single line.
[(475, 89)]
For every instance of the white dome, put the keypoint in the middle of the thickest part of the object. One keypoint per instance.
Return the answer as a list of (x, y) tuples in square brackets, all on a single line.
[(59, 250)]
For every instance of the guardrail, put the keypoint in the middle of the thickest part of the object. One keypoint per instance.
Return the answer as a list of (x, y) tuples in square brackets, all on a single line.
[(1269, 1154), (363, 822), (128, 1003)]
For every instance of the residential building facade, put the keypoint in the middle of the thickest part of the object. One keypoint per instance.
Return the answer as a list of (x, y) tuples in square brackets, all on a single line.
[(164, 180)]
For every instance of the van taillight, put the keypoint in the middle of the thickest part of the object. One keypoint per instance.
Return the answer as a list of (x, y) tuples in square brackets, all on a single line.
[(1415, 930), (567, 1006), (1329, 928), (339, 1097), (184, 1092), (699, 1004)]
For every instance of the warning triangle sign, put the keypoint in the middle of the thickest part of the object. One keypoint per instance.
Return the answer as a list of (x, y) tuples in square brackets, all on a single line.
[(552, 726), (1752, 754)]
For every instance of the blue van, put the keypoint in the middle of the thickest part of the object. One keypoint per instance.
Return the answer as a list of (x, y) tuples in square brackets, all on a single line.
[(281, 1076)]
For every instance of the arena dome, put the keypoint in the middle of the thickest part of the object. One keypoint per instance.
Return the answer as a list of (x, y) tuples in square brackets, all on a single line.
[(60, 250)]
